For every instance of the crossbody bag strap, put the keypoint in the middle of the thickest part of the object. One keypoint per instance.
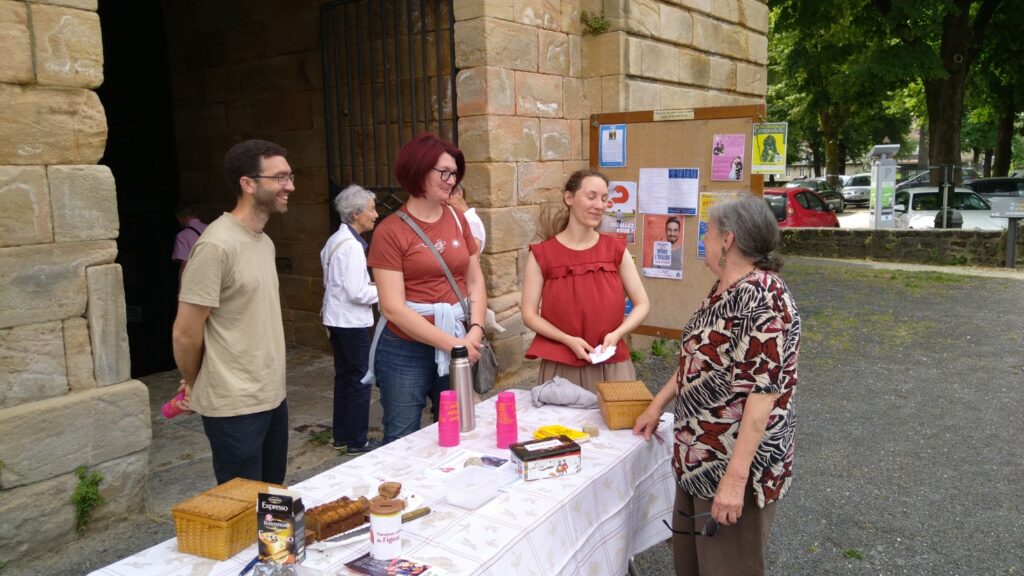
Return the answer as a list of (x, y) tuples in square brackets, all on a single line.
[(444, 266)]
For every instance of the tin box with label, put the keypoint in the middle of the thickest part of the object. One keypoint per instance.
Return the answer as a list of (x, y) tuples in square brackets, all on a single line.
[(547, 458)]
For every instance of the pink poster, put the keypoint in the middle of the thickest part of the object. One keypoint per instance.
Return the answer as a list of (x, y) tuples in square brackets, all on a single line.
[(727, 157)]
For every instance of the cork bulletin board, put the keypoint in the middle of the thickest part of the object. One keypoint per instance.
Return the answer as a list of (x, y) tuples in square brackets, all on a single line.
[(675, 139)]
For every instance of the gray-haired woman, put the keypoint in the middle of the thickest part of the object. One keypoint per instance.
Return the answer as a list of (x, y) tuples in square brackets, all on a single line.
[(348, 295), (733, 397)]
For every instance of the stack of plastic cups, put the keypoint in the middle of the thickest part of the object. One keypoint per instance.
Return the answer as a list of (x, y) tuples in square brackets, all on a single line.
[(508, 428), (448, 420), (170, 409)]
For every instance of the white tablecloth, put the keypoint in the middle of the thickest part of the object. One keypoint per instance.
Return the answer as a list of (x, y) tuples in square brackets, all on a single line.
[(588, 523)]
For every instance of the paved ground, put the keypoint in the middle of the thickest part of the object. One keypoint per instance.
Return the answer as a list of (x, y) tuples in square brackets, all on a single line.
[(909, 451)]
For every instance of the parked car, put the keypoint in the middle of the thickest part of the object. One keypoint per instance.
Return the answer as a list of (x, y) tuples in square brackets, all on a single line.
[(800, 208), (967, 173), (989, 188), (858, 189), (833, 198), (917, 207)]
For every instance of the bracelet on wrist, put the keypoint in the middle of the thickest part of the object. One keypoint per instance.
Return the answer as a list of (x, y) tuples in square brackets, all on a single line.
[(477, 325)]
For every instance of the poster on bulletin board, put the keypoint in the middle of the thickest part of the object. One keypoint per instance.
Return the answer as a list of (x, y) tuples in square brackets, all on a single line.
[(613, 146)]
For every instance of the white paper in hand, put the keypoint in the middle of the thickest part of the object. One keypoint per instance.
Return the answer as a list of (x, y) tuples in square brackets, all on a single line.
[(600, 354)]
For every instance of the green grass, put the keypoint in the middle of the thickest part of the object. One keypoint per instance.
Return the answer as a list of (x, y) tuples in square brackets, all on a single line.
[(321, 437), (853, 554)]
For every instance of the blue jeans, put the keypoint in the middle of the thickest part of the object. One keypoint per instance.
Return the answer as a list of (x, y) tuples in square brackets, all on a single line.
[(407, 376), (351, 397), (253, 446)]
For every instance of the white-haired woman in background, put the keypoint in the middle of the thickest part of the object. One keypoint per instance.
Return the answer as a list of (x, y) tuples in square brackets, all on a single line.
[(348, 295)]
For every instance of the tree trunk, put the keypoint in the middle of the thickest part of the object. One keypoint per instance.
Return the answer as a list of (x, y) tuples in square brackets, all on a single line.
[(830, 128), (922, 146), (986, 169), (945, 96), (1004, 135)]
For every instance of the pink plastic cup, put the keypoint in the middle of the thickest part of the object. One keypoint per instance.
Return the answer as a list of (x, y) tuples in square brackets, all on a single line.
[(507, 431), (170, 409), (448, 420)]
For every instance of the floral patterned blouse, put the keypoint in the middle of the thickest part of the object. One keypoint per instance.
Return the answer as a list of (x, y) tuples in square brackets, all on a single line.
[(745, 340)]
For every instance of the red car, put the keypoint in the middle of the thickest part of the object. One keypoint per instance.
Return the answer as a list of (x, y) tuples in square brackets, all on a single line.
[(800, 208)]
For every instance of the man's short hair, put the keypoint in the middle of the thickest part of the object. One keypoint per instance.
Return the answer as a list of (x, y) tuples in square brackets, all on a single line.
[(243, 159), (671, 220)]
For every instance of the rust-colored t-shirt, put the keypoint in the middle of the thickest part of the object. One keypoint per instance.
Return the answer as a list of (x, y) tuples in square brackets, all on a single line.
[(396, 246), (582, 296)]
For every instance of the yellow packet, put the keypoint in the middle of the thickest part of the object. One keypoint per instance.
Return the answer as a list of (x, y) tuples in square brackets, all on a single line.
[(555, 430)]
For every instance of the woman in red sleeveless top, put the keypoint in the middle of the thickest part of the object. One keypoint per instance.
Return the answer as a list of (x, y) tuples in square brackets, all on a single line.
[(574, 291)]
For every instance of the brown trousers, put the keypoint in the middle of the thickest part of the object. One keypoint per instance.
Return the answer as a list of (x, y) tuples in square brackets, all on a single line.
[(736, 550), (586, 376)]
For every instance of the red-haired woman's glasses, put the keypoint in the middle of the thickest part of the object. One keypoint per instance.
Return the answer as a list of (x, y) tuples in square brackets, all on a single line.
[(446, 174), (710, 525)]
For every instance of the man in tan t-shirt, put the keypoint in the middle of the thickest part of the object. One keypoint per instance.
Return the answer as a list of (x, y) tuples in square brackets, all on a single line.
[(228, 335)]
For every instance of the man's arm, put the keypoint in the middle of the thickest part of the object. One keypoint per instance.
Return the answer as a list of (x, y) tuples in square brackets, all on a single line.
[(187, 341)]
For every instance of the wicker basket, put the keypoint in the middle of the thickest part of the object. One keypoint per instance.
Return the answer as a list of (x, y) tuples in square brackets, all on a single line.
[(220, 522), (622, 401)]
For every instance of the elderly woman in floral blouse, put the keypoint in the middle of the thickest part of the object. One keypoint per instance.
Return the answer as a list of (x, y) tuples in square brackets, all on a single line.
[(733, 399)]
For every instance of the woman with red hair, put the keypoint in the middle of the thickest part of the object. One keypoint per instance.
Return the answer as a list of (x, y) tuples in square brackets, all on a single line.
[(422, 319)]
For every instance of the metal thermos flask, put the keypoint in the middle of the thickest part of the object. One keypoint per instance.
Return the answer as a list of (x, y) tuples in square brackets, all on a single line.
[(461, 375)]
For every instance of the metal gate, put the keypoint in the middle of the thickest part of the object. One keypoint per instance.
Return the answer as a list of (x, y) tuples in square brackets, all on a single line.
[(389, 74)]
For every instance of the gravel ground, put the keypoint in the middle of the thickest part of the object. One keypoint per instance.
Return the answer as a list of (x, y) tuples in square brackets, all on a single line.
[(909, 452)]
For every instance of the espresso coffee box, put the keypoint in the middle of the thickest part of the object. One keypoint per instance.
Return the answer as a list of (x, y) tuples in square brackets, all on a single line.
[(281, 527), (547, 458)]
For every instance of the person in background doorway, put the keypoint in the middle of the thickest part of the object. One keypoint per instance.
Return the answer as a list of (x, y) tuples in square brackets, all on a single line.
[(191, 228), (422, 319), (733, 399), (348, 296), (228, 336), (458, 201), (575, 288)]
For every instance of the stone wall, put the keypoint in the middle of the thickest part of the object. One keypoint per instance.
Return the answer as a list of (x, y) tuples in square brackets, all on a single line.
[(65, 395), (252, 70), (958, 247), (530, 78)]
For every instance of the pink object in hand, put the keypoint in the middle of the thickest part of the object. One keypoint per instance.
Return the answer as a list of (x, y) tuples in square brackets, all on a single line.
[(170, 409), (448, 420), (507, 425)]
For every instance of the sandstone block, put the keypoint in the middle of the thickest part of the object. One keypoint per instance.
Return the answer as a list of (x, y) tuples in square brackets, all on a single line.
[(539, 13), (123, 487), (575, 56), (538, 95), (633, 56), (297, 293), (68, 45), (509, 353), (659, 61), (755, 15), (540, 182), (47, 282), (78, 354), (578, 101), (305, 222), (604, 55), (722, 73), (576, 139), (751, 79), (486, 90), (728, 10), (513, 325), (15, 44), (511, 228), (694, 67), (51, 126), (492, 42), (31, 364), (499, 138), (644, 18), (469, 9), (675, 97), (757, 48), (500, 270), (676, 25), (718, 37), (52, 437), (80, 4), (108, 324), (504, 304), (555, 139), (490, 185), (699, 5), (554, 53), (51, 518), (84, 202), (642, 95), (25, 198)]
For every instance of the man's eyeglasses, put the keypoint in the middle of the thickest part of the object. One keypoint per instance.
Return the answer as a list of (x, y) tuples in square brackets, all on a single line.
[(446, 174), (282, 179), (710, 525)]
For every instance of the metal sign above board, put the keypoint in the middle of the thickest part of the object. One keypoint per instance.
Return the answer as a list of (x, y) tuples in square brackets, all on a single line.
[(1007, 207), (667, 115)]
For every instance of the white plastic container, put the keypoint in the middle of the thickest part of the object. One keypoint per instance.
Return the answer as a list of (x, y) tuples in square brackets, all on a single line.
[(472, 487)]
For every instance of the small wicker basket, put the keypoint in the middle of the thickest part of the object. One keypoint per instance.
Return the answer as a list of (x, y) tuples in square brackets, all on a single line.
[(622, 401), (220, 522)]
